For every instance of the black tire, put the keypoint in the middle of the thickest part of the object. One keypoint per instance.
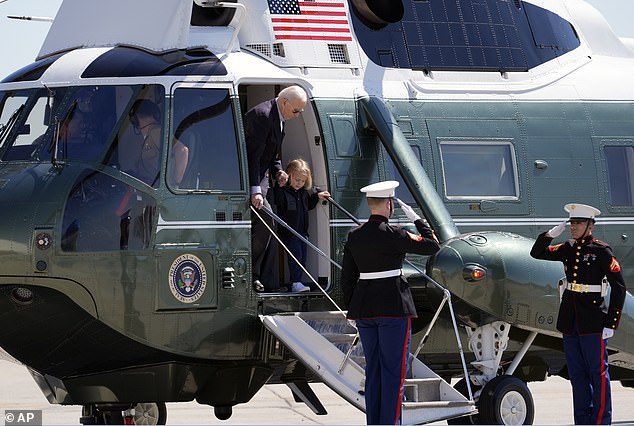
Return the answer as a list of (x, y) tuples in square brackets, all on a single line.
[(223, 412), (473, 419), (506, 400), (150, 413)]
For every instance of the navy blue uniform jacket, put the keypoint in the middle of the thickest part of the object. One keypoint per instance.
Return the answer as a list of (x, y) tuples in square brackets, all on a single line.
[(264, 141), (586, 261), (377, 246)]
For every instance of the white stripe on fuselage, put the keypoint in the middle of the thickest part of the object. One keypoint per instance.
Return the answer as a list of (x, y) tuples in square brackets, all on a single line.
[(499, 221)]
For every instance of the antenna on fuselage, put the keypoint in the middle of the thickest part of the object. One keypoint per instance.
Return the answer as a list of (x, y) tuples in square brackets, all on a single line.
[(30, 18)]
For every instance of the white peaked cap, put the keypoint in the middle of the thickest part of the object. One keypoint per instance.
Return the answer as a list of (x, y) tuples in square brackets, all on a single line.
[(380, 189), (581, 211)]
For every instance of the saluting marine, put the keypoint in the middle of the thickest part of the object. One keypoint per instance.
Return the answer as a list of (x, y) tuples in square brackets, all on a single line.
[(379, 299), (583, 318)]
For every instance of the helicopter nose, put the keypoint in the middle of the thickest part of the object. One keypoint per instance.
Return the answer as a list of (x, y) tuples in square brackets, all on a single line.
[(460, 266), (494, 272)]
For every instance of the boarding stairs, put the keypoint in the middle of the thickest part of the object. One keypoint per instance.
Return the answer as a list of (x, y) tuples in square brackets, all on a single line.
[(328, 345)]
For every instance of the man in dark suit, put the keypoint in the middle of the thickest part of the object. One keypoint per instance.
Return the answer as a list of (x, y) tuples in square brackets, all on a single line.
[(264, 129)]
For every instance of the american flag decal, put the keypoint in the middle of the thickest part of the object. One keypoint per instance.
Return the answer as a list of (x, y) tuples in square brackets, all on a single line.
[(310, 20)]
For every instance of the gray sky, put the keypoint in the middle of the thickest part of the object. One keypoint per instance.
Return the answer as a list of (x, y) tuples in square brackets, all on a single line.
[(21, 40)]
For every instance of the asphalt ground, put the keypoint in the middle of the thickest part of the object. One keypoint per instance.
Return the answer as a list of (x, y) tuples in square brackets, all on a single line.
[(274, 405)]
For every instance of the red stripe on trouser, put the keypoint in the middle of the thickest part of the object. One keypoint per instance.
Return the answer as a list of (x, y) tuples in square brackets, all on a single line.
[(602, 407), (405, 354)]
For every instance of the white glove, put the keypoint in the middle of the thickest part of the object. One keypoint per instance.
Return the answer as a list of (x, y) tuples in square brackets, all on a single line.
[(556, 231), (607, 333), (409, 212)]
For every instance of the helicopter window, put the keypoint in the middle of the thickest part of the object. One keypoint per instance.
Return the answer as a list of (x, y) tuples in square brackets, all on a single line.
[(21, 124), (205, 130), (479, 170), (620, 162), (345, 136), (74, 121), (102, 214), (139, 140)]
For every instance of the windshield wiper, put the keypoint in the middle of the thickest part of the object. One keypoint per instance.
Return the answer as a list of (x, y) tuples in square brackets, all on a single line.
[(54, 160), (6, 129)]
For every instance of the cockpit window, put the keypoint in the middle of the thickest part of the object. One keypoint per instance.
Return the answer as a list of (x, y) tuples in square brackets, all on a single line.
[(21, 121), (204, 148), (119, 126), (58, 124), (138, 144), (479, 170)]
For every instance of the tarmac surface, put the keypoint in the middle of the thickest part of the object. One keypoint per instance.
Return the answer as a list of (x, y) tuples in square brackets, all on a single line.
[(274, 405)]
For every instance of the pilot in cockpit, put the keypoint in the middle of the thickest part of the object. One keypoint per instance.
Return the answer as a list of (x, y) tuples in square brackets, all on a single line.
[(144, 153)]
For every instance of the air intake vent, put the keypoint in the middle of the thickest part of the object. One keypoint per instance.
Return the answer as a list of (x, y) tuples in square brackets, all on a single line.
[(237, 216), (278, 50), (262, 49), (338, 54), (228, 277), (221, 216)]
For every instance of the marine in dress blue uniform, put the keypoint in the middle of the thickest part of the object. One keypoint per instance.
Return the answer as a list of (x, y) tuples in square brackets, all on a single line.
[(379, 299), (584, 319)]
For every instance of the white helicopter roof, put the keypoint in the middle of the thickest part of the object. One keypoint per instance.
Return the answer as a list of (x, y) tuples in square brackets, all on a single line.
[(156, 26)]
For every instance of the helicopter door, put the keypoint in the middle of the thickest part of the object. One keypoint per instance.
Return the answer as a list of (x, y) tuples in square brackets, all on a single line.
[(203, 232), (303, 140)]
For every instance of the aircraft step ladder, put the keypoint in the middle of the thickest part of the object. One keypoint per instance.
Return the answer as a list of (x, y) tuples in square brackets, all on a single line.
[(322, 339)]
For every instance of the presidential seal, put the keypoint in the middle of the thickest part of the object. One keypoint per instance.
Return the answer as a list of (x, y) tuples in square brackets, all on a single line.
[(187, 278)]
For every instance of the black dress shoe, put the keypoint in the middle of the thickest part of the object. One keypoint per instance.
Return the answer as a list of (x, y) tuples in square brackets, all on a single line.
[(258, 286)]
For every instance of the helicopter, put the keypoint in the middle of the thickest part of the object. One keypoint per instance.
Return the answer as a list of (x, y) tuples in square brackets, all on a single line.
[(132, 287)]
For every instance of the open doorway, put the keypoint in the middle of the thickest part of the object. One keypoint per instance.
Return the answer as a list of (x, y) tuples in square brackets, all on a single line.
[(302, 140)]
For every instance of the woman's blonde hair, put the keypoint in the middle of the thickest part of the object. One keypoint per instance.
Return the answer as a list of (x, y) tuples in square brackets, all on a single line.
[(301, 167)]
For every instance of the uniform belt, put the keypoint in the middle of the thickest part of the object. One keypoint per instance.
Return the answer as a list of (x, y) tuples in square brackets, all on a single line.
[(584, 288), (380, 274)]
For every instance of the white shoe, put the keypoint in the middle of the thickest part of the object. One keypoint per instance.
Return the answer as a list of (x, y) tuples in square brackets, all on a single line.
[(299, 287)]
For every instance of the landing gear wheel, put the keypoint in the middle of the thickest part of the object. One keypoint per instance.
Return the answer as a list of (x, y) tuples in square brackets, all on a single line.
[(150, 413), (461, 387), (223, 412), (506, 400), (91, 415)]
